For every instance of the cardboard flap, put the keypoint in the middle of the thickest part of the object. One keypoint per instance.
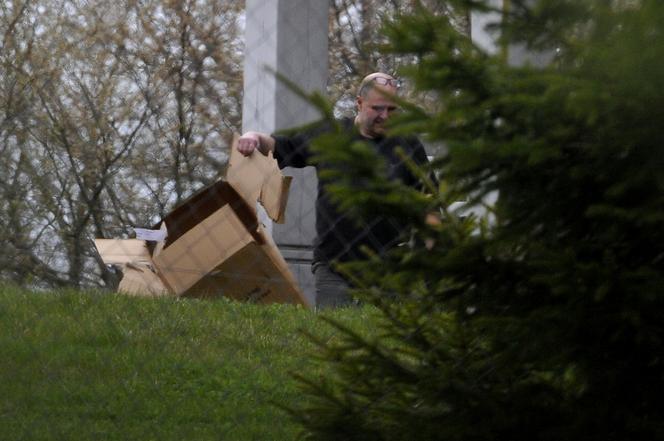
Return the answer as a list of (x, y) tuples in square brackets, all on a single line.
[(257, 178), (160, 245), (198, 251), (204, 203), (122, 251), (139, 279), (274, 196)]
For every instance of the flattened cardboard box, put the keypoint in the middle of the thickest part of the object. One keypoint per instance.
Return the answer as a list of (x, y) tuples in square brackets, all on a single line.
[(215, 244)]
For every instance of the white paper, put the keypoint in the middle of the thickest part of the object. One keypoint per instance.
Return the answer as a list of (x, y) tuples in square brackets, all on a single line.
[(147, 234)]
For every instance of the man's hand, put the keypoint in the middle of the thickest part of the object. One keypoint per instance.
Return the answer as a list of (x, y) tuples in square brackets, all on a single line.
[(250, 141), (247, 143)]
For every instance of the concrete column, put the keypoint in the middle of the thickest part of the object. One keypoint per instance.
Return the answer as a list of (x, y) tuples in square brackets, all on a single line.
[(517, 54), (478, 32), (288, 37)]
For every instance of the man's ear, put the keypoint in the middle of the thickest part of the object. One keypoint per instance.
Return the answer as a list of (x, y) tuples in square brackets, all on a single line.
[(359, 101)]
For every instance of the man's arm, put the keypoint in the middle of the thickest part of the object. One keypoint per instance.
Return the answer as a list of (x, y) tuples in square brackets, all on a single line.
[(289, 149), (251, 141)]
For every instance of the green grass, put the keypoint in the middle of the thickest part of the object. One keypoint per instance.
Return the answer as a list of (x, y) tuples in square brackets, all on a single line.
[(78, 366)]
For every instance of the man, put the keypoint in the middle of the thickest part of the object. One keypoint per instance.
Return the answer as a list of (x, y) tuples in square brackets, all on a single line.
[(339, 238)]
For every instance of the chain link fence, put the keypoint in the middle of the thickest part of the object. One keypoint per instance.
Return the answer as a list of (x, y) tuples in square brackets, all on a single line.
[(115, 114), (117, 126)]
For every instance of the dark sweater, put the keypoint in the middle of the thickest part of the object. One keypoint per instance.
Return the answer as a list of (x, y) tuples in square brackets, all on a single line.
[(340, 237)]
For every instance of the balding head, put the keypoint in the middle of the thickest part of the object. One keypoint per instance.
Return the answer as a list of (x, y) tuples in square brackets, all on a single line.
[(375, 104), (387, 83)]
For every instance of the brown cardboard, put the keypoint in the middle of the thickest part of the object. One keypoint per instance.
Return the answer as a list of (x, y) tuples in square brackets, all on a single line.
[(215, 244), (123, 251), (140, 279), (258, 178), (134, 259)]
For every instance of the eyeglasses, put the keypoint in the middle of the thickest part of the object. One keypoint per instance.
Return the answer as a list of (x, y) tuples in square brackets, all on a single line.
[(387, 81), (381, 109)]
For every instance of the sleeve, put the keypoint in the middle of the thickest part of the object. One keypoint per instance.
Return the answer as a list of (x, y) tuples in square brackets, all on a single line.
[(291, 151), (419, 156), (291, 148)]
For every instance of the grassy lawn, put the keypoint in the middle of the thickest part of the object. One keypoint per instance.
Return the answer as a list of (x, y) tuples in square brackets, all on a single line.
[(77, 366)]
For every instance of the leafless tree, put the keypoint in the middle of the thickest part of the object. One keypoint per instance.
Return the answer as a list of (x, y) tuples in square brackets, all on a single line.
[(113, 112), (356, 37)]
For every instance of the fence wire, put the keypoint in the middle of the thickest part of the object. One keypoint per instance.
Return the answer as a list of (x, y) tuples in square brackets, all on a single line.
[(119, 118)]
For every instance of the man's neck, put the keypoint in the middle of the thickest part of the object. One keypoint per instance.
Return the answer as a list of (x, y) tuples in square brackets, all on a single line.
[(362, 132)]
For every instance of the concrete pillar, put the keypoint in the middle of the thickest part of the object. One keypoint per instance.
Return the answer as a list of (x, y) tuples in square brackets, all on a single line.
[(288, 37), (517, 54), (478, 31)]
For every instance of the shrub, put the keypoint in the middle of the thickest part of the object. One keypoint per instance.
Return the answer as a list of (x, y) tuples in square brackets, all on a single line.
[(539, 317)]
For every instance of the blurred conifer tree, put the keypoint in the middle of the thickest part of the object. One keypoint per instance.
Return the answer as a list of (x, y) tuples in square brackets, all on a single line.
[(538, 317)]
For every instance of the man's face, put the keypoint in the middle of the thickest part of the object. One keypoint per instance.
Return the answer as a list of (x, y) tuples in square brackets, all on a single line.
[(374, 109)]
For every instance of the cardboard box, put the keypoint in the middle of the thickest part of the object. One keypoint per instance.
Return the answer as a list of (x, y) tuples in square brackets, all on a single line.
[(215, 244)]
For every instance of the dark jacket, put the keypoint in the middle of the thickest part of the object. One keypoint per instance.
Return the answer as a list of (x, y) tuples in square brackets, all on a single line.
[(340, 237)]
